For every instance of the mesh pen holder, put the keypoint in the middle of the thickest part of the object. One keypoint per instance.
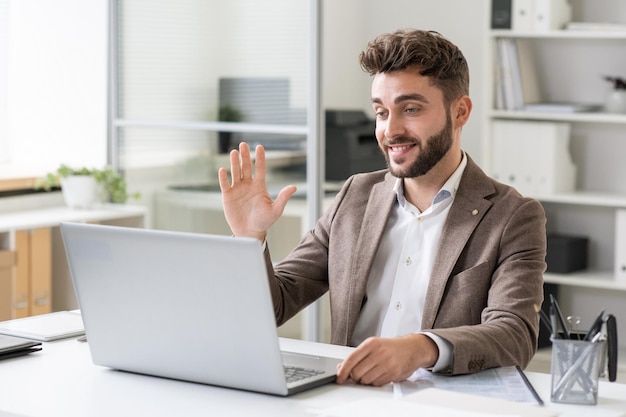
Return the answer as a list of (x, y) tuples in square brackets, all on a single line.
[(576, 367)]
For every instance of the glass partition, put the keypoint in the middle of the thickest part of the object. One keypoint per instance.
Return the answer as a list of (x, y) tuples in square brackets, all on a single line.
[(193, 78)]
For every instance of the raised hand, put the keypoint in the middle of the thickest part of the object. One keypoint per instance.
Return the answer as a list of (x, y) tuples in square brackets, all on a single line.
[(248, 207)]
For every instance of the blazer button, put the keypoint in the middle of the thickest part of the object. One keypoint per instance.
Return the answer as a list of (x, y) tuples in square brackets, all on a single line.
[(476, 365)]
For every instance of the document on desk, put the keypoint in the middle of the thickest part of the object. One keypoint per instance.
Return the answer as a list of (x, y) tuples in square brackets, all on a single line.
[(433, 402), (507, 383)]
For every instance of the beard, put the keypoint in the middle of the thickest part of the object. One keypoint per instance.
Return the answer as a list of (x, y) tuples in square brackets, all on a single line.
[(432, 151)]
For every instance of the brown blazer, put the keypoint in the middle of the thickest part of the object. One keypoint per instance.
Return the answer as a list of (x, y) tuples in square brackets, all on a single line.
[(486, 284)]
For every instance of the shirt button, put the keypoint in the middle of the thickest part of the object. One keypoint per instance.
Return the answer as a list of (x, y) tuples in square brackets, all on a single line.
[(408, 261), (398, 305)]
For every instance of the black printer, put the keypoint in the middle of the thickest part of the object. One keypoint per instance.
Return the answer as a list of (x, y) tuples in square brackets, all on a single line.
[(351, 145)]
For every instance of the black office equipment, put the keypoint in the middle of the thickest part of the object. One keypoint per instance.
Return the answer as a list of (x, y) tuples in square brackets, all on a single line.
[(611, 330), (566, 253), (351, 145), (263, 101)]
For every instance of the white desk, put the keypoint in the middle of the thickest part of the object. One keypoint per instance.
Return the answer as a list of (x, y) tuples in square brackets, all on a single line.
[(62, 381)]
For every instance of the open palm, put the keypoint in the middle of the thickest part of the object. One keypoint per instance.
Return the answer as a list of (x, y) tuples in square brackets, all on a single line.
[(248, 207)]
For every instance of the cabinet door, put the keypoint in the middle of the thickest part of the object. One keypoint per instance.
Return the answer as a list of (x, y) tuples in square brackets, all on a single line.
[(7, 264), (40, 271), (33, 273), (21, 283)]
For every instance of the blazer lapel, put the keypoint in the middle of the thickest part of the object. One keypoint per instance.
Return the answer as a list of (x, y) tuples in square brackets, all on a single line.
[(379, 205), (468, 209)]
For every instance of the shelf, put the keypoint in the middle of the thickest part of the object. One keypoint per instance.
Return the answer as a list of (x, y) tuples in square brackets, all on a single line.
[(562, 34), (51, 217), (587, 279), (561, 117), (586, 198)]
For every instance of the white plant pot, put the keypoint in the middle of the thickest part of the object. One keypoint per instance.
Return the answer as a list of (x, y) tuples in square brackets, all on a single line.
[(80, 191), (615, 101)]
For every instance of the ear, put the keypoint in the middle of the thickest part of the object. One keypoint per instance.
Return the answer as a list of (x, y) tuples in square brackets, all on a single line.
[(461, 109)]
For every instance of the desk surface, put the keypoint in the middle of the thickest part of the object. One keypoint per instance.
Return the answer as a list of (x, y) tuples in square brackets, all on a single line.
[(62, 381)]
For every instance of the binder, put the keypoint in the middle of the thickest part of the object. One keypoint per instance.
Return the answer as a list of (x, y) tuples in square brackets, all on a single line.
[(40, 271), (7, 263), (545, 143), (551, 14), (517, 83), (501, 14), (32, 292), (523, 15), (21, 289)]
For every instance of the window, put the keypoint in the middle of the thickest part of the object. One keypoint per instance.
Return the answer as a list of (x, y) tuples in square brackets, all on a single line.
[(53, 84), (4, 77)]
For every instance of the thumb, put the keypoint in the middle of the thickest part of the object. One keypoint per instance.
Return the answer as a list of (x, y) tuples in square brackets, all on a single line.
[(283, 196)]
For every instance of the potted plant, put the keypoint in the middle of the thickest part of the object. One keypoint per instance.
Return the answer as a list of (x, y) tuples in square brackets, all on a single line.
[(84, 187), (227, 113), (616, 98)]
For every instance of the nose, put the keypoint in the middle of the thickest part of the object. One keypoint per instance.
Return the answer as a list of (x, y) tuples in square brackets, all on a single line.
[(393, 127)]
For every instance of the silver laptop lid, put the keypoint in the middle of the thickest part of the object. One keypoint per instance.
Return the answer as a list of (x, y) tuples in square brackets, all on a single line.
[(180, 305)]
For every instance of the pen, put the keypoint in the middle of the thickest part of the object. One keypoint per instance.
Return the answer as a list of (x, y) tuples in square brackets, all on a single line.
[(553, 324), (546, 322), (595, 327), (559, 316)]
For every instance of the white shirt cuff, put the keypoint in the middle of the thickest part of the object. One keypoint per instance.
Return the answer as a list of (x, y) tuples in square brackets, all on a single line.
[(445, 352)]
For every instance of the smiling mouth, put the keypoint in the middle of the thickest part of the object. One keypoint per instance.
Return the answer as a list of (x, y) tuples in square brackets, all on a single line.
[(400, 147)]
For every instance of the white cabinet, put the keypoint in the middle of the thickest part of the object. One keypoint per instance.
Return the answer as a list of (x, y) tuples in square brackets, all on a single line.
[(34, 275), (569, 66)]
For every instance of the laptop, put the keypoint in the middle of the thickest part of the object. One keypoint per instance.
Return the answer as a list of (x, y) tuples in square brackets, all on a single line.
[(11, 346), (192, 307)]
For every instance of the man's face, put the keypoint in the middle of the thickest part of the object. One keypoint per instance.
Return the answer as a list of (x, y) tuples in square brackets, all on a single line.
[(413, 126)]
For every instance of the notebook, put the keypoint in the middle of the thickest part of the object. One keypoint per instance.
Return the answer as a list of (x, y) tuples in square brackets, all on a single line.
[(193, 307), (45, 327)]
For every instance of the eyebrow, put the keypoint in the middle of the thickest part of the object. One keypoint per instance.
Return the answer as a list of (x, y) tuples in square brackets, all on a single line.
[(403, 97)]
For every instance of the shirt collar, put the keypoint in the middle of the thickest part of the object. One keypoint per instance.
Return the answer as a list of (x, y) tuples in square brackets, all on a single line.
[(448, 189)]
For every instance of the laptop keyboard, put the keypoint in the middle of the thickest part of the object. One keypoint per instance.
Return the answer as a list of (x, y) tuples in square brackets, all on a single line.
[(294, 373)]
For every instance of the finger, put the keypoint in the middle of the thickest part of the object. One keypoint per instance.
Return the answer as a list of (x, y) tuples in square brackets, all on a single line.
[(348, 365), (246, 161), (222, 177), (235, 166), (283, 197), (259, 163)]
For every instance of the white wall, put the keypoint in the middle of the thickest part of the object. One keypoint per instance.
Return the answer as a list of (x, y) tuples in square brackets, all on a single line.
[(57, 85)]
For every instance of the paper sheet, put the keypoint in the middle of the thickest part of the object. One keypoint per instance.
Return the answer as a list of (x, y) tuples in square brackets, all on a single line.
[(504, 383)]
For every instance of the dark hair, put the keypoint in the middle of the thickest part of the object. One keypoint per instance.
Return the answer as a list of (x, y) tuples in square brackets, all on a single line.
[(430, 53)]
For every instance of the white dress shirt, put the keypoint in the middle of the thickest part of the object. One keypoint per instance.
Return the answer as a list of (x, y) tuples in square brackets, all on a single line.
[(397, 284)]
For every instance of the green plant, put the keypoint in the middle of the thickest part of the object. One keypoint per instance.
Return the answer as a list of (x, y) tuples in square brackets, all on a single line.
[(112, 181), (618, 83), (228, 113)]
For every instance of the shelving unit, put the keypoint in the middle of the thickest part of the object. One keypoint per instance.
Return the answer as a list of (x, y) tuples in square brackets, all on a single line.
[(569, 67)]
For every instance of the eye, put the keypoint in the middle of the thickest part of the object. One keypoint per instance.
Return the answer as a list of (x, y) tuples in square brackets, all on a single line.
[(411, 110), (381, 114)]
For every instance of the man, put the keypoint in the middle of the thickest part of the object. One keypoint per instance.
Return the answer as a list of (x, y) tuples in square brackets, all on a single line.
[(430, 264)]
